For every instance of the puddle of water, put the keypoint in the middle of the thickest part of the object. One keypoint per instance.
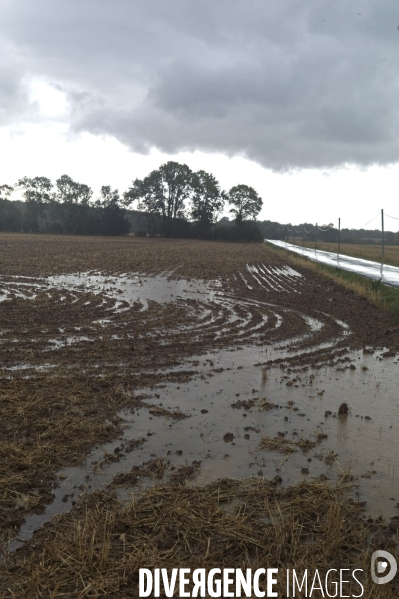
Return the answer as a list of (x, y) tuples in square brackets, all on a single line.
[(37, 367), (228, 375), (134, 288), (59, 343), (126, 289), (389, 275), (214, 312), (273, 279), (370, 446)]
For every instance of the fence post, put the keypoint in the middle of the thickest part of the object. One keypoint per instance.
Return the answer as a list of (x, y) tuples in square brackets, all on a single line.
[(315, 245), (382, 229), (339, 235)]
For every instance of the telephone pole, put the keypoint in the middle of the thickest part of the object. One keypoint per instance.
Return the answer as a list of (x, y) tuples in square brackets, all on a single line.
[(339, 235), (382, 229)]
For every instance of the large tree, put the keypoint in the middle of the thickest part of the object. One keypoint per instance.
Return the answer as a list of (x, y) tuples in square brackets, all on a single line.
[(5, 191), (163, 194), (71, 206), (207, 199), (246, 203), (10, 216), (72, 192), (148, 192), (113, 220), (37, 192)]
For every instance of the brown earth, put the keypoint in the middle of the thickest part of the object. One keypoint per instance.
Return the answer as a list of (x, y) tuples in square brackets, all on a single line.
[(97, 549), (50, 418)]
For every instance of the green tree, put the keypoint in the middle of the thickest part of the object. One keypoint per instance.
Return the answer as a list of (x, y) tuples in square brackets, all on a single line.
[(176, 184), (163, 194), (10, 216), (71, 192), (37, 192), (113, 220), (5, 191), (246, 203), (207, 200), (148, 192), (71, 206)]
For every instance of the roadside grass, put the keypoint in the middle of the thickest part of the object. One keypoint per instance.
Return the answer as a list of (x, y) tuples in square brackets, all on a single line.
[(364, 251), (383, 297)]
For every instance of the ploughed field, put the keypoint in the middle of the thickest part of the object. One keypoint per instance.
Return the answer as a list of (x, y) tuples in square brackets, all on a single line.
[(203, 378)]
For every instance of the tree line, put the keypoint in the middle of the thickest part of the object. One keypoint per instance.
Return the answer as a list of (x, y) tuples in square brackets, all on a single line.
[(66, 207), (180, 202), (305, 232), (174, 200)]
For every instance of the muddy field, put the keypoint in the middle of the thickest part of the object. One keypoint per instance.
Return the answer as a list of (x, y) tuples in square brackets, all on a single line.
[(185, 373)]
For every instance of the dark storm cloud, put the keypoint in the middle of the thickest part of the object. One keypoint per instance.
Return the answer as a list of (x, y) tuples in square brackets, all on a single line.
[(288, 83)]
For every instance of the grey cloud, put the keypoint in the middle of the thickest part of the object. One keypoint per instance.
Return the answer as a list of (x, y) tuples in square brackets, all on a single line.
[(14, 96), (290, 84)]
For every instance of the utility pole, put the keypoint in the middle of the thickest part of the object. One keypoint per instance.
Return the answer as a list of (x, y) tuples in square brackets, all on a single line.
[(339, 235), (294, 235), (382, 229), (315, 245)]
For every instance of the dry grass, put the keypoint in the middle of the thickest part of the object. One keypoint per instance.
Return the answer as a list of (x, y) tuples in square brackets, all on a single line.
[(42, 430), (375, 294), (284, 445), (97, 550)]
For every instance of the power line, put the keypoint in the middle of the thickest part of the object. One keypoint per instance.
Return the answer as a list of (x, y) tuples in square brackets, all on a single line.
[(370, 221), (293, 230)]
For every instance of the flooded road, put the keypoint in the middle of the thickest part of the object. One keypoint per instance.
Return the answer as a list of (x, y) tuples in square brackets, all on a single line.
[(389, 275)]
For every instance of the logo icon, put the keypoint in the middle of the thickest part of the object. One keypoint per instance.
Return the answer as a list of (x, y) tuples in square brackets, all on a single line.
[(380, 560)]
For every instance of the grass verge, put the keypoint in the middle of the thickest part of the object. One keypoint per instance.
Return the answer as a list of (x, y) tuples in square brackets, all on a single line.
[(364, 251)]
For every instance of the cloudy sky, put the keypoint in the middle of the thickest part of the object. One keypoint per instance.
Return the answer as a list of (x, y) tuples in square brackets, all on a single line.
[(298, 98)]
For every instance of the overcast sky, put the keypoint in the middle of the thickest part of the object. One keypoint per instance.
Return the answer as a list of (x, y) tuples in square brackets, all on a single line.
[(298, 98)]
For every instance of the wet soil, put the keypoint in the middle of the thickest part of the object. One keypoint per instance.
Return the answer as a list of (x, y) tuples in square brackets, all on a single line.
[(194, 359), (98, 548)]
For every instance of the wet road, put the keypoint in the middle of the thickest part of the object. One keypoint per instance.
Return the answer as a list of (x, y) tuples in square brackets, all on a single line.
[(372, 270)]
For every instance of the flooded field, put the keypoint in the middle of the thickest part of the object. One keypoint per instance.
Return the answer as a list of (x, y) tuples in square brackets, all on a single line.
[(133, 364)]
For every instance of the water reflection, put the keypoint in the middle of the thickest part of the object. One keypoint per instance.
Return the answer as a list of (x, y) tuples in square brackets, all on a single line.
[(372, 270)]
